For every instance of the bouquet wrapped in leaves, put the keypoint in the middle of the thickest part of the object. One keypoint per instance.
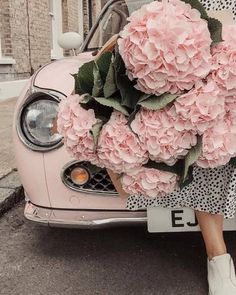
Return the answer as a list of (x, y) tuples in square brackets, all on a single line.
[(162, 100)]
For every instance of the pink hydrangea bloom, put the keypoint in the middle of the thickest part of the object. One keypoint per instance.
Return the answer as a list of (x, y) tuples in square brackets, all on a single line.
[(119, 149), (157, 131), (230, 107), (201, 107), (219, 144), (229, 34), (149, 182), (166, 47), (224, 60), (74, 124)]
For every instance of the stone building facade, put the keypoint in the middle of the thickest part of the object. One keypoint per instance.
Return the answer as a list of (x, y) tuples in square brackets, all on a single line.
[(29, 30)]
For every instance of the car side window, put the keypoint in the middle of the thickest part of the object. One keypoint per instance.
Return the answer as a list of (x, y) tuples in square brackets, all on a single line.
[(111, 23)]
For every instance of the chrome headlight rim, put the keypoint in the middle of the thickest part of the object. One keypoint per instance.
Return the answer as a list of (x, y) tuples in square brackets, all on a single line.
[(34, 96)]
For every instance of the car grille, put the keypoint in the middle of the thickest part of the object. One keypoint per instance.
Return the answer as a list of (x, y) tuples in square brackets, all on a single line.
[(100, 182)]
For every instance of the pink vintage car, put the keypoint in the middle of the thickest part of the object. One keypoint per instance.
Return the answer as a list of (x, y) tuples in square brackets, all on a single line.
[(62, 191)]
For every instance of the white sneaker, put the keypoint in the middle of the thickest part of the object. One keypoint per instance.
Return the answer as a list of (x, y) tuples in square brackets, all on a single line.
[(221, 275)]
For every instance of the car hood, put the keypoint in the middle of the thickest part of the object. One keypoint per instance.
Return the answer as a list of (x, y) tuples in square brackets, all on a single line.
[(57, 75)]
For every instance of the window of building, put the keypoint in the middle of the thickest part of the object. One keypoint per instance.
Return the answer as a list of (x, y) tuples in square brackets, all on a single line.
[(5, 60), (56, 27)]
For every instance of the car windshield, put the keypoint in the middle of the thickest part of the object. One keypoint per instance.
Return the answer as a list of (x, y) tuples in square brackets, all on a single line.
[(112, 21)]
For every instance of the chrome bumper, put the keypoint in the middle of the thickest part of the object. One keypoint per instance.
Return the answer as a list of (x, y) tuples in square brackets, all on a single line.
[(83, 219)]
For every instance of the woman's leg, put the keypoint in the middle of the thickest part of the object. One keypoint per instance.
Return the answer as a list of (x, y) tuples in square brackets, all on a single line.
[(212, 231), (221, 272)]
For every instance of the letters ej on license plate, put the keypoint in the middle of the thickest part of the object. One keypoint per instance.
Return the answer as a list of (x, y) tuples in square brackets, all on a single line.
[(177, 220)]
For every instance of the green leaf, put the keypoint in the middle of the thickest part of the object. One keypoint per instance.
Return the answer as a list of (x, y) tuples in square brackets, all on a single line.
[(77, 84), (129, 95), (110, 85), (85, 79), (192, 157), (119, 63), (132, 116), (188, 180), (233, 161), (158, 102), (177, 168), (197, 5), (215, 28), (103, 63), (95, 132), (112, 103), (98, 83), (144, 97), (93, 169), (101, 111)]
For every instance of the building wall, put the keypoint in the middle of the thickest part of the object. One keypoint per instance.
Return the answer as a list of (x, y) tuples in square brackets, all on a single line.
[(39, 33), (19, 38), (70, 15), (29, 34), (96, 8), (70, 18), (5, 28), (86, 17), (5, 35), (25, 27), (25, 31)]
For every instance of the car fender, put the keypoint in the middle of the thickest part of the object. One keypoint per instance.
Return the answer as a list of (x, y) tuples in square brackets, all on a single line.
[(57, 75)]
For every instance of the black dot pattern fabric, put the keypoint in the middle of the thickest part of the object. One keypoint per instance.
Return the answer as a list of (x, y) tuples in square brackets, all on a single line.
[(212, 190), (220, 5)]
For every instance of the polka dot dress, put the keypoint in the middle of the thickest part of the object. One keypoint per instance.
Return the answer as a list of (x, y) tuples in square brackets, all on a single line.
[(212, 190)]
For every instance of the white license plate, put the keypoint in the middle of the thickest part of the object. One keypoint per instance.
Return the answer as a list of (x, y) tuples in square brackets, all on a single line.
[(177, 220)]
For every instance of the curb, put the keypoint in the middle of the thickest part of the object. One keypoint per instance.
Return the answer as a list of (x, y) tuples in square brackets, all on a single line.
[(11, 191)]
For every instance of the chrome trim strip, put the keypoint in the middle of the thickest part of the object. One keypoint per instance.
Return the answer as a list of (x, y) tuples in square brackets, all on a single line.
[(32, 95), (99, 224), (45, 217), (100, 193)]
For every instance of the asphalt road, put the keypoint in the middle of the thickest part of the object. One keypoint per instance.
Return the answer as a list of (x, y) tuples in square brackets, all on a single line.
[(123, 261)]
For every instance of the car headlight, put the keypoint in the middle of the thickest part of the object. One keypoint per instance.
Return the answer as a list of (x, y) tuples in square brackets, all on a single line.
[(38, 119)]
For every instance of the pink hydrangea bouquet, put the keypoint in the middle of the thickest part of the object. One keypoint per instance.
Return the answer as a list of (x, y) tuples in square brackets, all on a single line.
[(163, 100)]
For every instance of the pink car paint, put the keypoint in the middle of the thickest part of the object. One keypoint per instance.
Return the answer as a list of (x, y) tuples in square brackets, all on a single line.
[(30, 164), (58, 76), (49, 201), (63, 197), (59, 195)]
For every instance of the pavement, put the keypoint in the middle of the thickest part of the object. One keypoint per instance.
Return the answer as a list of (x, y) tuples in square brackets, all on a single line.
[(7, 160), (120, 261), (10, 187)]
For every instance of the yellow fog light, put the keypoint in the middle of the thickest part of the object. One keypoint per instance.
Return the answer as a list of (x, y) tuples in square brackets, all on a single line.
[(80, 176)]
